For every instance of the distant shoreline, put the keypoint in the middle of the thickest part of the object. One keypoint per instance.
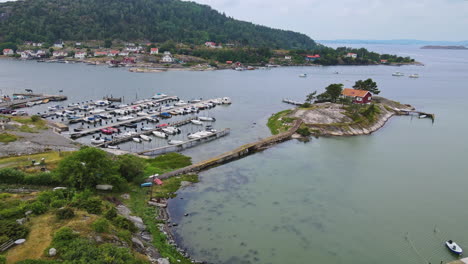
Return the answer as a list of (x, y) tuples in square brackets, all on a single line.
[(445, 47)]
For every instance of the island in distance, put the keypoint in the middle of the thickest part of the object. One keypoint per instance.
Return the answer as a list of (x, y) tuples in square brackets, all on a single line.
[(445, 47)]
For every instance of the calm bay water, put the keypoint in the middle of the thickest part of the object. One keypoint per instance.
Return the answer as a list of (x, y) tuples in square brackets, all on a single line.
[(331, 200)]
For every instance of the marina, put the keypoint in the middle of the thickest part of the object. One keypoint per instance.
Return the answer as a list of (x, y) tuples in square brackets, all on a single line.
[(30, 99)]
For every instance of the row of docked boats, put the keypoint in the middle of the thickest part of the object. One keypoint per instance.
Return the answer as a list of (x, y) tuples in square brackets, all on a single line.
[(399, 74)]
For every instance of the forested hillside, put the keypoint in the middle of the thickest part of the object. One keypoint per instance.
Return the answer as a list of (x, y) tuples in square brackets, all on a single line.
[(153, 20)]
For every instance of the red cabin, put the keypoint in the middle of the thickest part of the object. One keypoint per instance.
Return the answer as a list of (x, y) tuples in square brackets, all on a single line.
[(358, 96), (158, 181)]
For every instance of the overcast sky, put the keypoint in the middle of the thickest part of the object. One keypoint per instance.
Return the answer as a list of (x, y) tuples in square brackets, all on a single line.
[(356, 19)]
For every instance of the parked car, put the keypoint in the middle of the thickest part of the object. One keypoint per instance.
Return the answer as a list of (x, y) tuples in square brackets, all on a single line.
[(19, 113)]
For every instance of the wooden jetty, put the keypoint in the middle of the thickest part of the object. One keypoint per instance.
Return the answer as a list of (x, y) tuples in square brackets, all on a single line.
[(288, 101), (236, 153), (117, 141), (419, 113), (187, 144), (30, 97)]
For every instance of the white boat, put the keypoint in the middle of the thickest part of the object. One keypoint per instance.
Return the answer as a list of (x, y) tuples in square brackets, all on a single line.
[(122, 106), (226, 100), (59, 114), (137, 140), (113, 147), (86, 107), (159, 96), (205, 118), (194, 136), (142, 114), (145, 138), (197, 122), (125, 118), (147, 128), (160, 134), (68, 112), (422, 116), (239, 69), (96, 111), (454, 247), (414, 75), (120, 112), (398, 74), (171, 130), (96, 141), (175, 142), (303, 75), (102, 102), (106, 116), (180, 103)]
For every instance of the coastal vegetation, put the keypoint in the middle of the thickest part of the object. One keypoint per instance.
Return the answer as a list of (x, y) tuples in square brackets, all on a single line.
[(7, 138), (367, 85), (279, 122), (79, 223)]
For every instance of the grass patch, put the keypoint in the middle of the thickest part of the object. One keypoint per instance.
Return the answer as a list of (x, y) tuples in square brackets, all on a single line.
[(30, 124), (51, 159), (171, 185), (165, 163), (278, 123), (7, 138)]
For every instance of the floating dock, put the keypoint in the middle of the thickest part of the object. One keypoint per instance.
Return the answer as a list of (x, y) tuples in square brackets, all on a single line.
[(117, 141), (185, 145), (288, 101), (30, 97)]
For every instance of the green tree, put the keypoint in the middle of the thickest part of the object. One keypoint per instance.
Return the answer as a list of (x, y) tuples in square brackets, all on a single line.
[(367, 85), (310, 97), (86, 168), (131, 167), (332, 92), (108, 43)]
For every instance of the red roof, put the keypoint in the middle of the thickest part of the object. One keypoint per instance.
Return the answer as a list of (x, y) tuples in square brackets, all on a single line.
[(154, 49), (228, 62), (6, 50), (354, 92), (158, 181), (114, 52), (313, 56)]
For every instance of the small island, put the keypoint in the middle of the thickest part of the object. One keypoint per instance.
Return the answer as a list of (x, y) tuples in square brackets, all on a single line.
[(445, 47), (342, 112)]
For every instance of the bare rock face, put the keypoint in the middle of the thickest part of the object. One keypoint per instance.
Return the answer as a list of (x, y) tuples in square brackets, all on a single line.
[(21, 221), (52, 252), (138, 243), (163, 261), (138, 222)]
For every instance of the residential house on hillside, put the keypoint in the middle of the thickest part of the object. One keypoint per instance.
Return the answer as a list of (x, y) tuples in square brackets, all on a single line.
[(58, 44), (133, 49), (80, 55), (59, 54), (351, 55), (384, 61), (358, 96), (287, 57), (210, 44), (8, 52), (113, 53), (26, 54), (154, 51), (311, 58), (167, 58), (123, 53), (41, 54), (100, 53), (37, 44)]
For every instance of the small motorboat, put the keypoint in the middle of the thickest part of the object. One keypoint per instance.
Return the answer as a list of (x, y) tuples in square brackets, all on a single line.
[(113, 147), (175, 142), (454, 247), (131, 125), (160, 134), (147, 128), (422, 116), (303, 75), (204, 118), (96, 141), (142, 114), (398, 74), (124, 118), (414, 75), (145, 138), (226, 100), (137, 140), (197, 122)]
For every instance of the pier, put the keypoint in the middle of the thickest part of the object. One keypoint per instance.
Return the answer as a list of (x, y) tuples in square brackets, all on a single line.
[(185, 145), (117, 141), (289, 101), (30, 97), (236, 153), (419, 113)]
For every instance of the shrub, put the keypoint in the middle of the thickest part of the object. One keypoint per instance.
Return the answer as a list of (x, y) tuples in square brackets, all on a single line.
[(124, 223), (4, 196), (35, 118), (2, 259), (125, 235), (58, 203), (12, 230), (131, 167), (43, 178), (101, 225), (11, 176), (305, 105), (63, 235), (38, 207), (303, 131), (64, 213), (111, 213), (92, 205), (13, 212)]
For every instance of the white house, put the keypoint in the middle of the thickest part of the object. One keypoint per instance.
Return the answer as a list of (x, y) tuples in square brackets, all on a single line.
[(59, 53), (58, 44), (167, 58), (154, 51), (123, 53), (287, 57), (210, 44), (40, 53), (167, 53), (100, 53), (80, 55), (113, 53), (351, 55), (8, 52), (25, 54)]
